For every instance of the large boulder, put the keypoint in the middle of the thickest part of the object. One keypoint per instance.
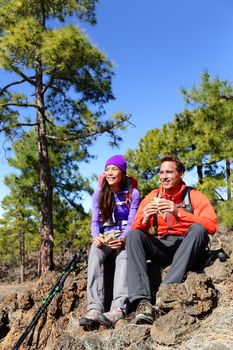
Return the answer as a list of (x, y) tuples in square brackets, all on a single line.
[(197, 295)]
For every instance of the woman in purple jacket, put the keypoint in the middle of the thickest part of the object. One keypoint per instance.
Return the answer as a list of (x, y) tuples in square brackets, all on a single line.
[(114, 206)]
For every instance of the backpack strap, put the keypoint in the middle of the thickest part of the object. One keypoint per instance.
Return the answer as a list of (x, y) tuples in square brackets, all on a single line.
[(131, 184), (186, 200)]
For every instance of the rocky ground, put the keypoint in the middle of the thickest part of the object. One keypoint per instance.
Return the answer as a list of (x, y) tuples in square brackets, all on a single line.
[(7, 288), (194, 315)]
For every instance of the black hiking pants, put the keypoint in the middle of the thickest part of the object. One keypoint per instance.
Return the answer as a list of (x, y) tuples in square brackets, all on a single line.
[(180, 252)]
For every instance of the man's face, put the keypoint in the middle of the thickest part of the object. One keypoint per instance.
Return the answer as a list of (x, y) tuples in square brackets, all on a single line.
[(169, 176)]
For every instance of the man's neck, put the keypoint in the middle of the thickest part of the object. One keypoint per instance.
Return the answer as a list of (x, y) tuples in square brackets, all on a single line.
[(173, 191)]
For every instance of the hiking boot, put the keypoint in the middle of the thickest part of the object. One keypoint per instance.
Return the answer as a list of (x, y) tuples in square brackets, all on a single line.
[(108, 319), (89, 321), (145, 313)]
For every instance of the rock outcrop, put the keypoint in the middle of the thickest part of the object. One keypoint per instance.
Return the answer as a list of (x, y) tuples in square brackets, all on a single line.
[(194, 315)]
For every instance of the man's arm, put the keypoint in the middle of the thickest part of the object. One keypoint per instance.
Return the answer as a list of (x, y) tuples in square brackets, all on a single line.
[(144, 217)]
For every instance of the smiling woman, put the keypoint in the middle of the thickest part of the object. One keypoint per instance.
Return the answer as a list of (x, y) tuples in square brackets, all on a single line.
[(113, 177), (112, 216)]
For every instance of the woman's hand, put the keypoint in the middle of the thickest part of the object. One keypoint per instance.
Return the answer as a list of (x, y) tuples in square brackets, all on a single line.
[(116, 243), (98, 242)]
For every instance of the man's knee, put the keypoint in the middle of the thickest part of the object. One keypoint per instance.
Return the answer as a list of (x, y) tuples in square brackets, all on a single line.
[(133, 236), (199, 231), (198, 228)]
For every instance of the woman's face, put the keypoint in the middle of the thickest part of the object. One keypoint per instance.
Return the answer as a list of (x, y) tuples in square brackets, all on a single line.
[(113, 175)]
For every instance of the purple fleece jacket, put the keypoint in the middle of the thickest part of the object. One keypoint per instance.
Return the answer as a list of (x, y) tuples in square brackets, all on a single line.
[(121, 212)]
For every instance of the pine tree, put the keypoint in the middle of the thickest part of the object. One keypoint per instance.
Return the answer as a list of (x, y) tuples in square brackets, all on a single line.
[(211, 105), (201, 136), (61, 79)]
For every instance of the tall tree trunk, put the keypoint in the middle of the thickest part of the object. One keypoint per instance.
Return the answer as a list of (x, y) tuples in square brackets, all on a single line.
[(228, 174), (199, 167), (200, 174), (22, 255), (46, 248)]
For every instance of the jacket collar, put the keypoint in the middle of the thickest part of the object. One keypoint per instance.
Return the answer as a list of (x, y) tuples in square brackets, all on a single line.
[(178, 194)]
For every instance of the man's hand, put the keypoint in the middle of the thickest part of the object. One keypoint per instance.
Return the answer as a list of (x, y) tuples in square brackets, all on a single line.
[(150, 209), (165, 205), (159, 206)]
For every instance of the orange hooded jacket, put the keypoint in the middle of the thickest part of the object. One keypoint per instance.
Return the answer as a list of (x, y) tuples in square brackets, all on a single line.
[(203, 213)]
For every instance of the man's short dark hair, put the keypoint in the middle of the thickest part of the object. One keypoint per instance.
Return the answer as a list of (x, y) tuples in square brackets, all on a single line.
[(171, 158)]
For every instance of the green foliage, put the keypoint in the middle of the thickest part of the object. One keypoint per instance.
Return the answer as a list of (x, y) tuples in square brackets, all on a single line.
[(18, 217), (11, 10), (76, 231), (212, 106), (9, 244), (75, 75), (224, 211), (22, 39), (213, 187), (82, 229), (21, 206)]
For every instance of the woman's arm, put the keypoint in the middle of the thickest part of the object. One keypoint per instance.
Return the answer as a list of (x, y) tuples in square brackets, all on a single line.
[(134, 204), (95, 219)]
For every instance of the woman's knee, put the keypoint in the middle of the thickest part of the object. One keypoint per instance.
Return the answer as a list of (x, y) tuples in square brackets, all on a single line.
[(96, 254), (122, 254)]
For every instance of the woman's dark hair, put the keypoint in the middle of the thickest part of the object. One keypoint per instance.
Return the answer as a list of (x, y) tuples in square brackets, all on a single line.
[(106, 198), (171, 158)]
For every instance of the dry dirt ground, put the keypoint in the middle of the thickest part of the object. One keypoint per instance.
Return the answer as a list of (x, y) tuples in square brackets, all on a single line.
[(9, 288)]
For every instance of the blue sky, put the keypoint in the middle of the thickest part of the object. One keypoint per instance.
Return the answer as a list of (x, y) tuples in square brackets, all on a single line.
[(157, 47)]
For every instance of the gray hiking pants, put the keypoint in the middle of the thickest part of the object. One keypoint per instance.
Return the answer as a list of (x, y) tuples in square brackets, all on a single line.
[(96, 289), (181, 253)]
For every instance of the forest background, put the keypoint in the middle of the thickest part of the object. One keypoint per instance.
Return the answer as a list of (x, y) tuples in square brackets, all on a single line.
[(171, 93)]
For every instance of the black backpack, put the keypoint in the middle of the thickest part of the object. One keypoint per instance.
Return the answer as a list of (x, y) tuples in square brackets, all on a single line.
[(210, 255), (186, 201)]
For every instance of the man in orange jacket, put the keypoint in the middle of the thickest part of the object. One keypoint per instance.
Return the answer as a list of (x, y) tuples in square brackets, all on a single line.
[(166, 234)]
